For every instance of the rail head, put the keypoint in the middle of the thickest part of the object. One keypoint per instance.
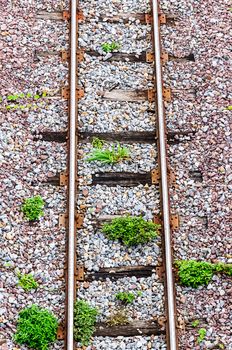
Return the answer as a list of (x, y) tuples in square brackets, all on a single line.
[(171, 322), (72, 181)]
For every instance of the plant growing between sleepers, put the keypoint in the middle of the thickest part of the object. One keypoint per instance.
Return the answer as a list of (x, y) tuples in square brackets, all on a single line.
[(125, 297), (110, 47), (119, 318), (131, 230), (111, 155), (97, 143)]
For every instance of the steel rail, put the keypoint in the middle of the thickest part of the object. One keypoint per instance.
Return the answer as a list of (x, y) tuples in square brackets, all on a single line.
[(171, 323), (72, 182)]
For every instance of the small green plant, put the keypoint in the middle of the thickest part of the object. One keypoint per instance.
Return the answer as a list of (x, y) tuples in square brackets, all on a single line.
[(8, 264), (131, 230), (26, 97), (109, 47), (125, 297), (139, 293), (119, 318), (193, 273), (27, 281), (36, 328), (229, 108), (201, 335), (97, 143), (221, 346), (223, 268), (28, 106), (195, 323), (85, 318), (109, 156), (21, 95), (32, 208), (12, 97)]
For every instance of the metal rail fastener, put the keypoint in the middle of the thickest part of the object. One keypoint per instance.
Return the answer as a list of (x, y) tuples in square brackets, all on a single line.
[(164, 183)]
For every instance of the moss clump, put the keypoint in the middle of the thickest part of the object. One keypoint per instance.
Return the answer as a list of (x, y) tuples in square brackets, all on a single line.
[(131, 230), (36, 328)]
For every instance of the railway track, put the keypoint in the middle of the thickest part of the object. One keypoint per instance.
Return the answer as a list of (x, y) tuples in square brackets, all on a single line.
[(125, 285), (160, 176)]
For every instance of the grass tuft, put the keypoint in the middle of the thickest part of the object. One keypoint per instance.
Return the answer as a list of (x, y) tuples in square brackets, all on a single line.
[(109, 156)]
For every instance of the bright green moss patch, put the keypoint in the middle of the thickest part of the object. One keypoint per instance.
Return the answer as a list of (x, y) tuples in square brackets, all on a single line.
[(32, 208), (131, 230)]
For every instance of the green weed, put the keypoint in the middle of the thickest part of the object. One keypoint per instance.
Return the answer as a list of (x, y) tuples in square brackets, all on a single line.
[(97, 143), (195, 323), (109, 156), (223, 268), (12, 97), (85, 318), (16, 97), (32, 208), (125, 297), (131, 230), (8, 264), (109, 47), (21, 95), (36, 328), (201, 335), (27, 281), (193, 273)]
